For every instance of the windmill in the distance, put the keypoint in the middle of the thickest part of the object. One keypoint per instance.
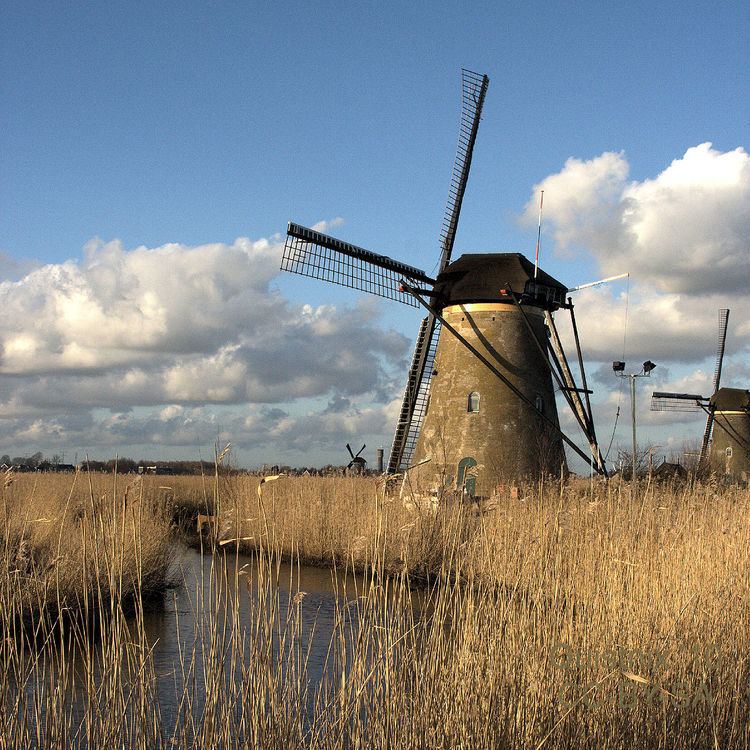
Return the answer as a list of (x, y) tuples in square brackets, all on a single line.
[(358, 464), (479, 399), (726, 438)]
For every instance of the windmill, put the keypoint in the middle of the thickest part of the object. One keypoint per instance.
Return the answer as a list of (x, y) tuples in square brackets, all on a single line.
[(726, 438), (358, 464), (479, 397)]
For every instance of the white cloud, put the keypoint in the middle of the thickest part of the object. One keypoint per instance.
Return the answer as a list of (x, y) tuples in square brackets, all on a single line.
[(272, 434), (682, 236), (121, 307), (684, 231), (326, 226), (176, 328)]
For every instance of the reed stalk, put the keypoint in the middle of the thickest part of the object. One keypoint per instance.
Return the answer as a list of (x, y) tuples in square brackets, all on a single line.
[(571, 615)]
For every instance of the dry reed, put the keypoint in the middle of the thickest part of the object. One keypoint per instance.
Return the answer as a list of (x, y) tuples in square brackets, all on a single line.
[(571, 616)]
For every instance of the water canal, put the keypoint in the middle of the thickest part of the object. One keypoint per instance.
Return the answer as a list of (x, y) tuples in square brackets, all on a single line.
[(235, 634)]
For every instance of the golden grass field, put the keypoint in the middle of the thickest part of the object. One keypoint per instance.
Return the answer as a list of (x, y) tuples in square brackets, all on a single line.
[(573, 615)]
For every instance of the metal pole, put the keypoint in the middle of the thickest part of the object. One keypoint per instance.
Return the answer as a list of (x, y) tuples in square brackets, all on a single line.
[(596, 283), (538, 235), (635, 442)]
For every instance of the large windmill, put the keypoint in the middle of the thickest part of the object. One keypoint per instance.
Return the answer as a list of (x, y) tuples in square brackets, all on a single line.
[(479, 403), (726, 438)]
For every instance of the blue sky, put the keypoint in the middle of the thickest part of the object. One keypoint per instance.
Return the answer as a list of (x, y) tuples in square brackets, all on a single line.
[(158, 123)]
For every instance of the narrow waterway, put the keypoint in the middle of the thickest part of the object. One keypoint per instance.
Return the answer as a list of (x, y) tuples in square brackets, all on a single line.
[(234, 633), (179, 633)]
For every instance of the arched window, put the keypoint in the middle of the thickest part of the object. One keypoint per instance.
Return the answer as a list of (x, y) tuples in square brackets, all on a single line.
[(473, 403)]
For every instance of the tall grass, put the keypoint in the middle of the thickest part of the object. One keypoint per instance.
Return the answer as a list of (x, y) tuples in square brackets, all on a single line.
[(71, 545), (572, 616)]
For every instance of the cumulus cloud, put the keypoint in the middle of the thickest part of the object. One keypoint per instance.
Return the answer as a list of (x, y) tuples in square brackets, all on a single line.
[(672, 327), (684, 231), (179, 327), (311, 437), (683, 237), (120, 307)]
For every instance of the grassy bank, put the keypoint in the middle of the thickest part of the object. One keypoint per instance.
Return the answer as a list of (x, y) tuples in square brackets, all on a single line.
[(73, 543), (572, 616)]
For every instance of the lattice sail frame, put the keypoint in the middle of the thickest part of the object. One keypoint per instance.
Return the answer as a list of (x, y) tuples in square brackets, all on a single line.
[(721, 342), (318, 256), (416, 396), (310, 253), (473, 92), (683, 402)]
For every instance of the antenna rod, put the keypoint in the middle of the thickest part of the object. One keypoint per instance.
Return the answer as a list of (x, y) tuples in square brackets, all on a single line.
[(601, 281), (539, 235)]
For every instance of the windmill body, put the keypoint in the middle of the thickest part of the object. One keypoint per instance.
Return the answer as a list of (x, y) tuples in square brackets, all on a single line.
[(730, 445), (358, 464), (476, 432)]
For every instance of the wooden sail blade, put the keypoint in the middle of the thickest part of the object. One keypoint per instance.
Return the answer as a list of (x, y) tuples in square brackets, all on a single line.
[(473, 91), (722, 340), (687, 402), (313, 254), (416, 396)]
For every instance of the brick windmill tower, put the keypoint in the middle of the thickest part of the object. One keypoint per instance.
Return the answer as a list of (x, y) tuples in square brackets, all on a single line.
[(479, 404)]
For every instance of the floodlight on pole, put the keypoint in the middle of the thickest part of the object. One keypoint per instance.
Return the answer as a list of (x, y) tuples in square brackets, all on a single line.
[(619, 369)]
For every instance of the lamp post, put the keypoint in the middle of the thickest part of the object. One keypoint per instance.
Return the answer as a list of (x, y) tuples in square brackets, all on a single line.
[(619, 369)]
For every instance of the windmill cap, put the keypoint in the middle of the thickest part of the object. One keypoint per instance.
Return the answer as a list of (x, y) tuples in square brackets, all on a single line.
[(485, 277), (731, 399)]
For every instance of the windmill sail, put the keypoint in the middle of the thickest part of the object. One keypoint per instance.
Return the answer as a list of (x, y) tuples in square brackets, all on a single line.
[(687, 402), (416, 396), (417, 391), (722, 338), (310, 253), (473, 90)]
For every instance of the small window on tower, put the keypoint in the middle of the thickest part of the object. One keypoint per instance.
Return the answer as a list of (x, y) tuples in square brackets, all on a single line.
[(539, 403), (473, 405)]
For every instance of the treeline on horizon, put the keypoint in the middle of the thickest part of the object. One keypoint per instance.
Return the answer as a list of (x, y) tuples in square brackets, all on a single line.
[(124, 465)]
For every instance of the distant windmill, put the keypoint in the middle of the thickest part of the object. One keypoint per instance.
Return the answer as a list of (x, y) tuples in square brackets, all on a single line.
[(480, 397), (358, 464), (726, 449)]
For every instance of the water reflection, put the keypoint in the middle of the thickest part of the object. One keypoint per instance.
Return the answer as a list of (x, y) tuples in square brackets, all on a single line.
[(236, 622), (183, 629)]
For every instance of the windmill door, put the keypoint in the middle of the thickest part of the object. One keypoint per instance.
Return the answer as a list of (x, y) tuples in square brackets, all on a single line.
[(466, 480)]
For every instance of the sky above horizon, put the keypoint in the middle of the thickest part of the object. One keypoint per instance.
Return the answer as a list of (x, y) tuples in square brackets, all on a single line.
[(152, 154)]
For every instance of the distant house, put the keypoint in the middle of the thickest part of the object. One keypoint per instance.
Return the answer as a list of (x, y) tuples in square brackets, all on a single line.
[(669, 470), (160, 470)]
